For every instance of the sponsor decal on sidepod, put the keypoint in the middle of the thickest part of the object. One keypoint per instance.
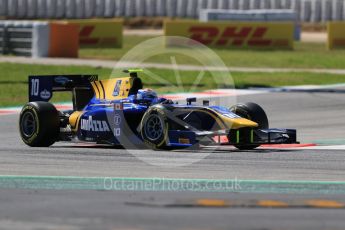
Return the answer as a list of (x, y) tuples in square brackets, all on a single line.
[(94, 125)]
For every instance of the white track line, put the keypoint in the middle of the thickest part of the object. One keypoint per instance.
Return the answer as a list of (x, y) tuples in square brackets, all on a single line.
[(324, 147)]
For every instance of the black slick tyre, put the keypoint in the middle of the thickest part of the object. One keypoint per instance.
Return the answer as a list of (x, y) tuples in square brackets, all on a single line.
[(154, 128), (253, 112), (39, 124)]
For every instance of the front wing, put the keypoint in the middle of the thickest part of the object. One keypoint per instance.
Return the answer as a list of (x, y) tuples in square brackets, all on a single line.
[(237, 137)]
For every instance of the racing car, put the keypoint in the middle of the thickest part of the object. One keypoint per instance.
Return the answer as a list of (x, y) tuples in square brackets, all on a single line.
[(121, 112)]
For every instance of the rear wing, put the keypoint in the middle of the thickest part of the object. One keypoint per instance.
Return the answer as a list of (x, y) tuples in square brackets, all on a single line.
[(41, 88)]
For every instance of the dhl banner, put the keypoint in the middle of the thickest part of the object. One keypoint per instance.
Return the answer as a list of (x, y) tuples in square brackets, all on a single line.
[(336, 35), (264, 35), (102, 33)]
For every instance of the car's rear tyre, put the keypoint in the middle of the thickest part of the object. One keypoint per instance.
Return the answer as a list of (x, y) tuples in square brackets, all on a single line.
[(154, 128), (253, 112), (39, 124)]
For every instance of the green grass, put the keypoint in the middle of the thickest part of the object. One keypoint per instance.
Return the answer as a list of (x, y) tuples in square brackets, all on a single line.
[(13, 80), (305, 55)]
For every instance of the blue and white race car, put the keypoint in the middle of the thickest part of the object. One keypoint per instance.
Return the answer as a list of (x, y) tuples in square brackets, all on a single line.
[(119, 111)]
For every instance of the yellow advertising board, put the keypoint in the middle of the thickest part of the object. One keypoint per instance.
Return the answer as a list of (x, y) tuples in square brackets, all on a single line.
[(262, 35), (102, 33), (336, 35)]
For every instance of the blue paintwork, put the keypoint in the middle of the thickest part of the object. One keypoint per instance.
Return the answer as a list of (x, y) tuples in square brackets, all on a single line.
[(103, 110)]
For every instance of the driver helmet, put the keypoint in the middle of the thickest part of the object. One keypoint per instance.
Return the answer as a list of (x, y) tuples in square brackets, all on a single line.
[(147, 94)]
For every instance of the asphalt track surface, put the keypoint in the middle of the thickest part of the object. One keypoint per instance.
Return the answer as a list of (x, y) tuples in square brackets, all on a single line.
[(319, 117)]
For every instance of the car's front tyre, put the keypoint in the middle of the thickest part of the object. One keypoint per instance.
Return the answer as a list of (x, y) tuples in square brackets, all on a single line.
[(154, 128), (39, 124), (253, 112)]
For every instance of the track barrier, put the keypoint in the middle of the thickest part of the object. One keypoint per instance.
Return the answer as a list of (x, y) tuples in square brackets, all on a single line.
[(307, 10), (38, 39)]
